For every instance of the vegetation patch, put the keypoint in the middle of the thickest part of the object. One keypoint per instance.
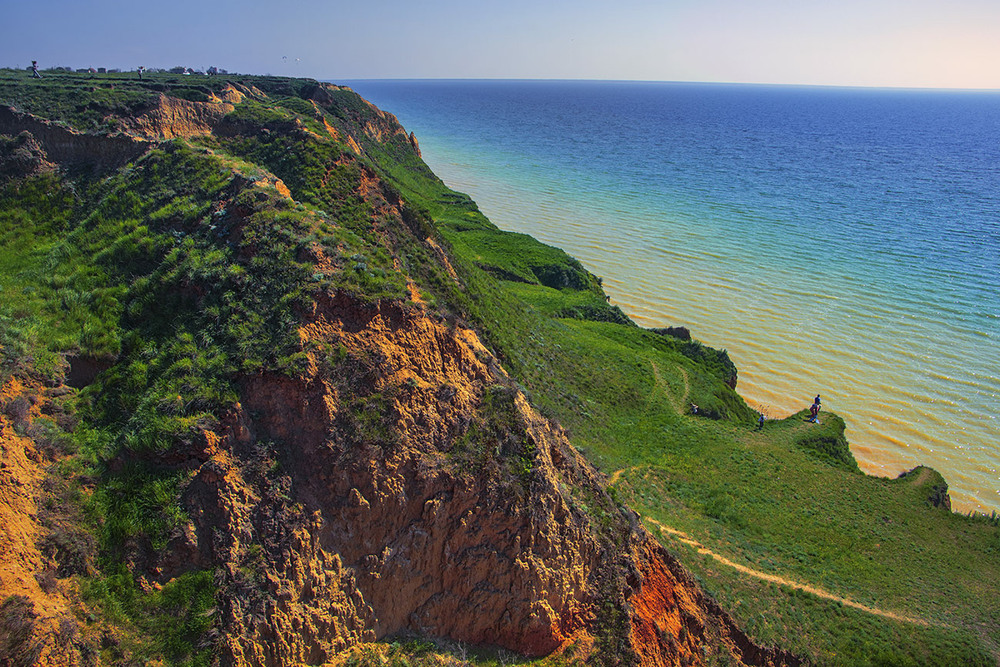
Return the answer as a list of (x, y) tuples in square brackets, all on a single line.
[(172, 621), (496, 441), (829, 444)]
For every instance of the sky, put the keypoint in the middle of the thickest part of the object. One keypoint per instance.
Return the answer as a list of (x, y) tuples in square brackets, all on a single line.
[(898, 43)]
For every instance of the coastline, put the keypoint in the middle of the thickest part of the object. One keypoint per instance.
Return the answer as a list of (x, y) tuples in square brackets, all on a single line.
[(778, 241), (878, 453)]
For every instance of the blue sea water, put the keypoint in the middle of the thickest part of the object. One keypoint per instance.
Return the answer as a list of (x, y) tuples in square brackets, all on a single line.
[(835, 241)]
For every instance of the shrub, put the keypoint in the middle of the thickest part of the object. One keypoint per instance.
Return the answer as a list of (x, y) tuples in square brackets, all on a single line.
[(830, 448), (190, 94), (17, 409), (17, 625), (49, 438)]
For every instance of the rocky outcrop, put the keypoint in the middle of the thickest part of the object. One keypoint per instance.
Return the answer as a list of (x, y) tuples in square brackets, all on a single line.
[(674, 623), (172, 117), (368, 123), (381, 126), (390, 535)]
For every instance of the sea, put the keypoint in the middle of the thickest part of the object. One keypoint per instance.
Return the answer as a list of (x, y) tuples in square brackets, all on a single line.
[(836, 241)]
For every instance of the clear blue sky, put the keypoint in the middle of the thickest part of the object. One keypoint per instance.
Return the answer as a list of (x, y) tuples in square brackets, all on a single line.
[(911, 43)]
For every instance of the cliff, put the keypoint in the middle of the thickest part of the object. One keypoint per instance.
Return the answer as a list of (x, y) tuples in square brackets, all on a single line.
[(385, 476), (272, 392)]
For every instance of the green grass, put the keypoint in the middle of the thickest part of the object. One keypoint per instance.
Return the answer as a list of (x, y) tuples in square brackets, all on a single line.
[(170, 622)]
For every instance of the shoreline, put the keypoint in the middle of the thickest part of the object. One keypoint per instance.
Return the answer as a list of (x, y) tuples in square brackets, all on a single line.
[(898, 369), (872, 460), (878, 453)]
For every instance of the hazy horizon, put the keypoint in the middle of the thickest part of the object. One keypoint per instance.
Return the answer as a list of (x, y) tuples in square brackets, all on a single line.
[(683, 81), (874, 44), (348, 80)]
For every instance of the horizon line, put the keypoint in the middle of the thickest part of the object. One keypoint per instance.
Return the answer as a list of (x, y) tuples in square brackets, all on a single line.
[(604, 80), (670, 81)]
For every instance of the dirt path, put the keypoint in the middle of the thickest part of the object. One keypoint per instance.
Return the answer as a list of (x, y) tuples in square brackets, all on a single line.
[(818, 592), (616, 475), (661, 385)]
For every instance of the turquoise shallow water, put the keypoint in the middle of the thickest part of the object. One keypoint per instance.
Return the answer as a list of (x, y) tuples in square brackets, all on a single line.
[(835, 241)]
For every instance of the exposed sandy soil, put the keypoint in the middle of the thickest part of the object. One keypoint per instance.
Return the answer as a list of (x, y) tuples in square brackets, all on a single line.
[(49, 624)]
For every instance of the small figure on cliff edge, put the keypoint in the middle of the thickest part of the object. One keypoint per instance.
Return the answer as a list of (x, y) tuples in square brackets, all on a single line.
[(34, 70), (140, 70), (814, 410), (760, 421)]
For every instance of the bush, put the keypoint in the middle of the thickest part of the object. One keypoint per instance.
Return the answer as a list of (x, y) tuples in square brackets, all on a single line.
[(596, 313), (190, 94), (17, 625), (173, 622), (49, 438), (17, 409)]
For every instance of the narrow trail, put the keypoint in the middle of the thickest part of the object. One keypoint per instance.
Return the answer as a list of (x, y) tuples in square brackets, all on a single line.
[(661, 385), (678, 406), (818, 592), (616, 475)]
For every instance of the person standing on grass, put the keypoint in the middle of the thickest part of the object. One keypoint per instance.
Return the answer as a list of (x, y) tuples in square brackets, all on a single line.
[(814, 410), (34, 70)]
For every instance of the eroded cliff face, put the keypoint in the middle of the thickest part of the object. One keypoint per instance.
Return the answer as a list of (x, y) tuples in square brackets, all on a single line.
[(171, 117), (367, 537), (447, 523), (64, 146), (38, 623)]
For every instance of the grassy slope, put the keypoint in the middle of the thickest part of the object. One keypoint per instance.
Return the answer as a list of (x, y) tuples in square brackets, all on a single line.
[(771, 500)]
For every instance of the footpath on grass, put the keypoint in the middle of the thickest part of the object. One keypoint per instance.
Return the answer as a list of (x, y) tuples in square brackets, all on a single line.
[(660, 386), (818, 592)]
